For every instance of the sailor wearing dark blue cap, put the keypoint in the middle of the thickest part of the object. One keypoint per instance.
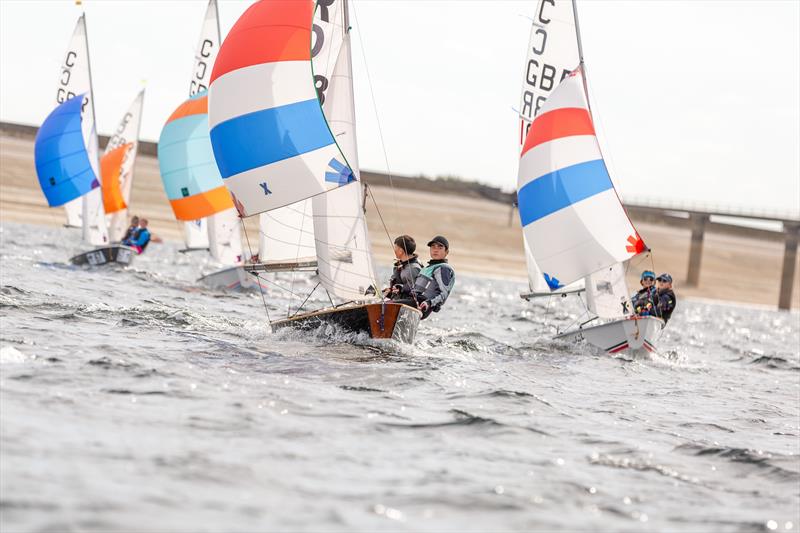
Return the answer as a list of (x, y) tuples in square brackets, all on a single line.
[(435, 282), (644, 301), (666, 300)]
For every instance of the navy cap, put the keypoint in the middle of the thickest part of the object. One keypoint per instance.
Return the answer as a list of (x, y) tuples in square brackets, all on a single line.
[(665, 277), (441, 240)]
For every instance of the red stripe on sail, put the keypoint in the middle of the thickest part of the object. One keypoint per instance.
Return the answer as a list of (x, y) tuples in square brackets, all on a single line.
[(269, 31), (558, 123)]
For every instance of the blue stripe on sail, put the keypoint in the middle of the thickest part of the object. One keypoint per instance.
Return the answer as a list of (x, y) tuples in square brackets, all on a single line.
[(62, 162), (555, 191), (263, 137), (185, 158)]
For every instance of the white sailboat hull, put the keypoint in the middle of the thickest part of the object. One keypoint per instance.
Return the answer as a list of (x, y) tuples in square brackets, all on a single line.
[(631, 333)]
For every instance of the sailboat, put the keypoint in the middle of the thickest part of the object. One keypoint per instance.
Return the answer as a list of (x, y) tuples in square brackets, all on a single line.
[(573, 221), (215, 230), (66, 154), (282, 120)]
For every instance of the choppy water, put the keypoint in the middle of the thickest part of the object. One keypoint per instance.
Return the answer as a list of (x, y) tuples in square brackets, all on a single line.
[(133, 400)]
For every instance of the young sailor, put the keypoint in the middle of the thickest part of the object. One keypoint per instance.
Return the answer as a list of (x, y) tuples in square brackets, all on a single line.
[(644, 300), (132, 229), (140, 238), (406, 269), (435, 282), (665, 304)]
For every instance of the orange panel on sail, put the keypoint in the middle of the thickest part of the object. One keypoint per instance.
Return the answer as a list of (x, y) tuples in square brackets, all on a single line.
[(203, 204), (110, 170)]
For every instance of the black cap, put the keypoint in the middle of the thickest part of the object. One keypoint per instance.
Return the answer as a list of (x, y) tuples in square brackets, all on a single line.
[(441, 240), (664, 277)]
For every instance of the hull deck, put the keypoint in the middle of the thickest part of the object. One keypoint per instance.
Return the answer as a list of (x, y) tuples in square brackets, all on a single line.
[(631, 333), (114, 254), (379, 320)]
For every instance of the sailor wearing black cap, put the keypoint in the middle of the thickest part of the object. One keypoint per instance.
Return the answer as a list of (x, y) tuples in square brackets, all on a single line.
[(666, 298), (434, 282)]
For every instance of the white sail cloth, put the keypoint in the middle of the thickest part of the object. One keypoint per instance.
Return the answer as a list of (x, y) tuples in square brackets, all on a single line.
[(220, 233), (552, 55), (286, 235), (607, 293), (571, 216), (75, 79)]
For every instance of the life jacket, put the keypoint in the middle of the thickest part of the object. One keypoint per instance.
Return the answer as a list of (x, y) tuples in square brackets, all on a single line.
[(435, 282), (405, 274)]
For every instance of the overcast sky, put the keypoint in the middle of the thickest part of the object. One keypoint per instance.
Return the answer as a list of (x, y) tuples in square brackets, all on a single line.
[(694, 101)]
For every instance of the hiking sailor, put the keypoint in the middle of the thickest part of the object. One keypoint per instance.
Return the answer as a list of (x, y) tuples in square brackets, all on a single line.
[(435, 281)]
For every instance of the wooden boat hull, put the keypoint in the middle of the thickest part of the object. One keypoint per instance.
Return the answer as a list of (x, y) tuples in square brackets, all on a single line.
[(231, 279), (631, 333), (387, 320), (107, 255)]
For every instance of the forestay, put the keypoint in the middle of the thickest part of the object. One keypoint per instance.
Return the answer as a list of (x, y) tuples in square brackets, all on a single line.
[(126, 134), (345, 264), (75, 79), (270, 138), (571, 215), (552, 54), (188, 171), (196, 232)]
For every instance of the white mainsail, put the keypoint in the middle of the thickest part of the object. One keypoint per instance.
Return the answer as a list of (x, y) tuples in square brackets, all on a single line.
[(607, 292), (286, 235), (127, 132), (552, 54), (345, 263), (224, 237), (197, 234), (76, 79)]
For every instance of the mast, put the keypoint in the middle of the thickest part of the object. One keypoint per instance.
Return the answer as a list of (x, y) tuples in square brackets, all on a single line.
[(580, 53), (577, 30), (85, 204)]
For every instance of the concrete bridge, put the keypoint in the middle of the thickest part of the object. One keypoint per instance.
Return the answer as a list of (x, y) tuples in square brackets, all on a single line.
[(699, 218)]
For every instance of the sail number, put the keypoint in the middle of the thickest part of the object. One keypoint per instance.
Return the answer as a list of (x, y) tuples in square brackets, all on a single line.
[(320, 81), (538, 74), (201, 67), (64, 93)]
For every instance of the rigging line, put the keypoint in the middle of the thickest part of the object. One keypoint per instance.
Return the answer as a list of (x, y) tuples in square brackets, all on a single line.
[(304, 301), (378, 210), (377, 119), (306, 206), (258, 280)]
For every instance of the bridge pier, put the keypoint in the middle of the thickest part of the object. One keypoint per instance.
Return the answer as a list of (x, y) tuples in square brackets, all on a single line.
[(789, 260), (698, 223)]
